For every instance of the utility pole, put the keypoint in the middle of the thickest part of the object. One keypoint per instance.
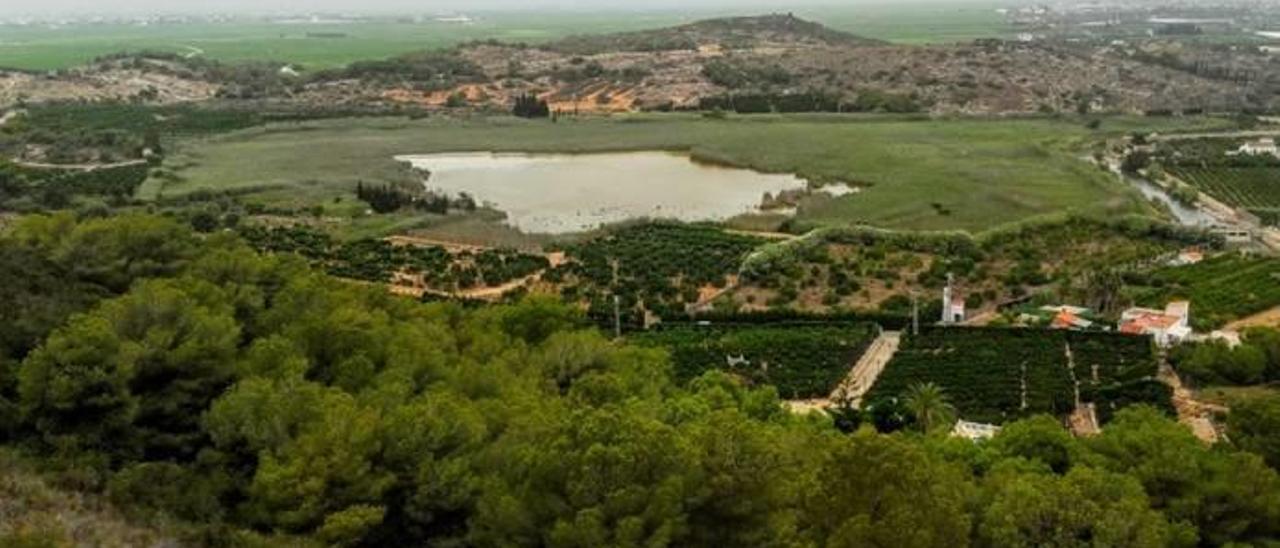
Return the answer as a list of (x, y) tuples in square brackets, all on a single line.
[(617, 303), (915, 314), (617, 316)]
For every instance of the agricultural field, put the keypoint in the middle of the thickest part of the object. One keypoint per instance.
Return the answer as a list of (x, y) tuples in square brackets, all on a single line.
[(802, 361), (1221, 289), (917, 174), (868, 269), (656, 268), (86, 132), (1115, 371), (431, 267), (25, 188), (997, 375), (309, 45), (1255, 189), (316, 45)]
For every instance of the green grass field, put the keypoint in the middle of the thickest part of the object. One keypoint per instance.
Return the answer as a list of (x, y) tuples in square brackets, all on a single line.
[(51, 48), (44, 47), (922, 174)]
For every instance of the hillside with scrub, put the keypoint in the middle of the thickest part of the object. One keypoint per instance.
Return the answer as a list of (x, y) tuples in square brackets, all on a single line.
[(745, 64)]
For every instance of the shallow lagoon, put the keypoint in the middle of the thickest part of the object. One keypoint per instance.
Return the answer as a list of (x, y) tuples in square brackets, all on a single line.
[(562, 193)]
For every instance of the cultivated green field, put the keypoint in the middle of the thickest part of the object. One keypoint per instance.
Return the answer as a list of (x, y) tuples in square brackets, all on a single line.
[(1254, 188), (317, 45), (311, 45), (921, 174)]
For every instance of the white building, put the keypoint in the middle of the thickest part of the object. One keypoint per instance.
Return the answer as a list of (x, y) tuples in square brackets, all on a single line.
[(1187, 257), (974, 431), (1261, 147), (1168, 327), (952, 305)]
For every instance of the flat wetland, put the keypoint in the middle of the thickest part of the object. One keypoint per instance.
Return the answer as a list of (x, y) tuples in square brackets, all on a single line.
[(917, 173)]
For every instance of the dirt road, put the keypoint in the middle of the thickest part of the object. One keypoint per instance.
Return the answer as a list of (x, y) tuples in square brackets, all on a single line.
[(78, 167), (1195, 414), (861, 377), (1219, 135)]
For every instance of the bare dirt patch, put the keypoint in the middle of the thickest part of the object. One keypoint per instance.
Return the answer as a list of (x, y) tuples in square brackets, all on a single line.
[(1266, 318)]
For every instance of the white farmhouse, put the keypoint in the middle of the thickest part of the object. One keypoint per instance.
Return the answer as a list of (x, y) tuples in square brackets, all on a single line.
[(1187, 257), (1262, 147), (1168, 327)]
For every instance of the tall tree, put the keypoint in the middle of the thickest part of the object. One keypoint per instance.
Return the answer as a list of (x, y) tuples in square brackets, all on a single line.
[(134, 375), (928, 403)]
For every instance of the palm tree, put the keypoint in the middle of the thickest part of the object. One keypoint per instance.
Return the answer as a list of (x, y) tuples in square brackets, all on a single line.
[(930, 405)]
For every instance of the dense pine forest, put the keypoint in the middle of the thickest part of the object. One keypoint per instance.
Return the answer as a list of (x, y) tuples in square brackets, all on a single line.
[(223, 397)]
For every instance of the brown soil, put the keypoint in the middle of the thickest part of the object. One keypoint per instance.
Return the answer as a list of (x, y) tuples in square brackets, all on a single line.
[(1266, 318), (1197, 415)]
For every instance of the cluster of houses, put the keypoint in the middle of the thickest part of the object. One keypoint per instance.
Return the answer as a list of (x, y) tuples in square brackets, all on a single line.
[(1168, 327)]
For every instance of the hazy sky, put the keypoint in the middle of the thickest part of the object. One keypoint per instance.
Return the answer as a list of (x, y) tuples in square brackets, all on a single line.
[(98, 7)]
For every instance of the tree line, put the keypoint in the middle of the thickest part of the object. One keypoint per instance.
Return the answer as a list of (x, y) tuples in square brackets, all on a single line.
[(257, 402), (529, 105), (390, 198)]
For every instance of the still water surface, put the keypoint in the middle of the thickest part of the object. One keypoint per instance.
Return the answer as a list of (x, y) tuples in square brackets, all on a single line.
[(561, 193)]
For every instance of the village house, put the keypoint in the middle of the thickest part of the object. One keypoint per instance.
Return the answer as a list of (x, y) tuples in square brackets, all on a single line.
[(1065, 319), (1261, 147), (1061, 316), (1187, 257), (1168, 327)]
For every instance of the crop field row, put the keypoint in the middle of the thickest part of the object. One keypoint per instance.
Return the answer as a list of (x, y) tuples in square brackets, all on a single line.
[(1109, 358), (801, 361), (985, 372), (1115, 371), (1221, 289), (377, 260), (1252, 188), (660, 265)]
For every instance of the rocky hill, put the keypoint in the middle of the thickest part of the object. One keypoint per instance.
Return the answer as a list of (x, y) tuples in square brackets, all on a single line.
[(779, 62), (725, 33)]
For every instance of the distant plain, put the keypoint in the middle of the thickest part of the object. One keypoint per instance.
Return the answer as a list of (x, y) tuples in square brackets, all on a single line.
[(327, 44)]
